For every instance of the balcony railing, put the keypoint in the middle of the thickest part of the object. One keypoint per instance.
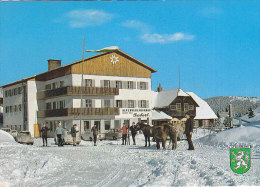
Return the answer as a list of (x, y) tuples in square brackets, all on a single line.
[(76, 112), (73, 90)]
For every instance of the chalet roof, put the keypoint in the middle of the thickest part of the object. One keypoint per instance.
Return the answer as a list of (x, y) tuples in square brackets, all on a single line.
[(204, 111), (159, 115), (165, 97), (79, 61)]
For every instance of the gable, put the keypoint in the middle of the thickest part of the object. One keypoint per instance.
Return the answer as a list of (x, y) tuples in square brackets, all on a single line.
[(113, 64), (184, 99)]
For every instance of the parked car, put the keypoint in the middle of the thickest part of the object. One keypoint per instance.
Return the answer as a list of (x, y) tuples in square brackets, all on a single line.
[(113, 134), (67, 138), (7, 130), (14, 133), (88, 136), (24, 137)]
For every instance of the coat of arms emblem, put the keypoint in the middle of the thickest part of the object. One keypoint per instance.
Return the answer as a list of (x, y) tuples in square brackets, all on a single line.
[(240, 159)]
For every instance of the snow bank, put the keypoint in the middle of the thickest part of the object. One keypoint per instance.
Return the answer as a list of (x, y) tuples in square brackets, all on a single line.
[(6, 137), (246, 135)]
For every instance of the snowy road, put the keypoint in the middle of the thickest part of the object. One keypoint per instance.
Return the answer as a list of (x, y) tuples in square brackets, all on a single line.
[(112, 164)]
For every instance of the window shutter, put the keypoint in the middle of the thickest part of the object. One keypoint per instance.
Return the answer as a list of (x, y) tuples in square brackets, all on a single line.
[(124, 103), (139, 103), (102, 83), (147, 103), (146, 85), (113, 84), (111, 103), (135, 103), (93, 103), (93, 82), (134, 85), (124, 84), (138, 85), (102, 103)]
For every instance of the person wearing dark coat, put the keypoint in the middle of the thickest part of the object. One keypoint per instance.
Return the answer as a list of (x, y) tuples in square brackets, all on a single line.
[(188, 131), (133, 132), (44, 132), (74, 134), (95, 133)]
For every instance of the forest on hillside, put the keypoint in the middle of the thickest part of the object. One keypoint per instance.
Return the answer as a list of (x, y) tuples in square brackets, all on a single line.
[(240, 105)]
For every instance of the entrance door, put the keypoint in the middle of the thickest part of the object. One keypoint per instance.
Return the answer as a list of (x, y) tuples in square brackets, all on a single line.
[(127, 123), (97, 123)]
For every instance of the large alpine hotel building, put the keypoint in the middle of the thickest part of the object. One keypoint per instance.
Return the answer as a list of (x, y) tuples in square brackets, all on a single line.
[(116, 90)]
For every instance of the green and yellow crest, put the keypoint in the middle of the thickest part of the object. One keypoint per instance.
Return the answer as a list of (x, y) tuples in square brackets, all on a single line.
[(240, 159)]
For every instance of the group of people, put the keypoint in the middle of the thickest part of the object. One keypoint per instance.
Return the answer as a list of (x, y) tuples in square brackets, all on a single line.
[(125, 134)]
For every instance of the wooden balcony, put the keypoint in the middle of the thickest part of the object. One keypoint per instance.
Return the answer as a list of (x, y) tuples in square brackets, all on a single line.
[(76, 112), (73, 90)]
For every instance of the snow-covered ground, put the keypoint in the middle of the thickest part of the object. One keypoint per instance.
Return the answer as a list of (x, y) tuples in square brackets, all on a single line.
[(113, 164)]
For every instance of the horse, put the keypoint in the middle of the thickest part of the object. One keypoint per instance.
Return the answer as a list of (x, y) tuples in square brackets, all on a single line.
[(175, 129), (147, 131)]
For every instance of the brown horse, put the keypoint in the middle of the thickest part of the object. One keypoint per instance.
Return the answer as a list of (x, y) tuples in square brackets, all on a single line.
[(147, 131), (162, 131)]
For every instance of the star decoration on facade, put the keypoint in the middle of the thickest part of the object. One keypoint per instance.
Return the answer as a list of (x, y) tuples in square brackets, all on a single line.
[(114, 59)]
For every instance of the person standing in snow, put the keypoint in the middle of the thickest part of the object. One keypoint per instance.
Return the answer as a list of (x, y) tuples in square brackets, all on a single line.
[(74, 133), (44, 132), (133, 132), (95, 133), (59, 132), (188, 131), (124, 129)]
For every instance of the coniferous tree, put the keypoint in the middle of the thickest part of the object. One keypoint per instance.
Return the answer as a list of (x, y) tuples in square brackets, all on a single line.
[(251, 113)]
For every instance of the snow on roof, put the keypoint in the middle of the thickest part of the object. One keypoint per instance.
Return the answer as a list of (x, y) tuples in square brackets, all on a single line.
[(156, 115), (165, 97), (204, 111)]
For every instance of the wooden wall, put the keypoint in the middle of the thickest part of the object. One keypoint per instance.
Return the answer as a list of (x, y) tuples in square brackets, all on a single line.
[(102, 65)]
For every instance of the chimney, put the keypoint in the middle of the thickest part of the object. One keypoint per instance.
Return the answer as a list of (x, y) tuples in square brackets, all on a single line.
[(53, 64), (159, 88)]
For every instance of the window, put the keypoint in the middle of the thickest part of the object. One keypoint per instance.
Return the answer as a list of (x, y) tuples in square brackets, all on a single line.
[(88, 103), (20, 107), (186, 106), (54, 85), (51, 126), (191, 107), (9, 92), (15, 108), (131, 104), (6, 94), (178, 105), (117, 124), (61, 84), (107, 103), (107, 125), (7, 109), (54, 105), (173, 107), (143, 104), (130, 85), (86, 125), (58, 105), (12, 92), (48, 106), (62, 104), (106, 83), (119, 103), (15, 91), (119, 84), (47, 86), (88, 82), (143, 86), (19, 90), (11, 108)]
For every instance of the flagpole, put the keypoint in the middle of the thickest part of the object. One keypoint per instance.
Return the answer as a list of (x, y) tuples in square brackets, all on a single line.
[(81, 87)]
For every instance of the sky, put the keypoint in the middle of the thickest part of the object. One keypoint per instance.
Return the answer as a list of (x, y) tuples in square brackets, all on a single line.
[(216, 44)]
